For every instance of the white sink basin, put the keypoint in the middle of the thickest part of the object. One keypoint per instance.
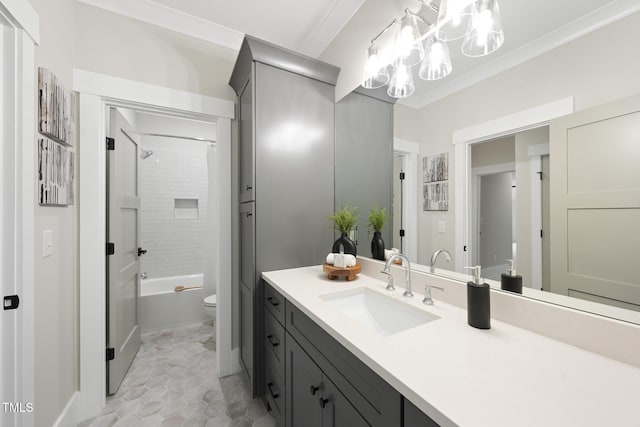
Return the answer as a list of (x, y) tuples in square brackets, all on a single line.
[(378, 312)]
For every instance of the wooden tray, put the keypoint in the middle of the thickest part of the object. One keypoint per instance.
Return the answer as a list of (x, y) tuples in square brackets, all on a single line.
[(335, 272)]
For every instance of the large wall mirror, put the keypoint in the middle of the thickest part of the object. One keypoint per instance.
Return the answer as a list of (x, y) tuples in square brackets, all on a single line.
[(544, 173)]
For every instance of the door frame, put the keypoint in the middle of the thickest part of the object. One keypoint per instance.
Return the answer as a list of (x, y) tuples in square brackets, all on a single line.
[(97, 93), (18, 213), (463, 139), (409, 151), (476, 174)]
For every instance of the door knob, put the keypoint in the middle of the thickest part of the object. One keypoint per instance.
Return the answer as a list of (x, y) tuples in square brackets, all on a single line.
[(141, 251)]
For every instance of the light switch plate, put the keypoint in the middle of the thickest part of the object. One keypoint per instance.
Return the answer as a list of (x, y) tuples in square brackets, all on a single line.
[(442, 227), (47, 243)]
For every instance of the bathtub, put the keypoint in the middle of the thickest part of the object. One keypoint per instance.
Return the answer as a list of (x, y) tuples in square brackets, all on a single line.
[(160, 307)]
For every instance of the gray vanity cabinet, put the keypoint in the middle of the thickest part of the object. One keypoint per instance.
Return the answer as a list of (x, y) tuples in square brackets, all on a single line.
[(313, 399), (325, 385)]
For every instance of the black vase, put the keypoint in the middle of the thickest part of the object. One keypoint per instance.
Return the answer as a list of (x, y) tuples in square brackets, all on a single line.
[(377, 246), (348, 245)]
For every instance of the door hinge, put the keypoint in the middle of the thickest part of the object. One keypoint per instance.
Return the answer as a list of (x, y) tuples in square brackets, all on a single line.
[(111, 248), (11, 302), (541, 234), (111, 143), (464, 248), (401, 176), (539, 175), (111, 353), (401, 233)]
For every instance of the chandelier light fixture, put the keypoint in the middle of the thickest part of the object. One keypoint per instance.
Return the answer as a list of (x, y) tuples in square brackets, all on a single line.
[(477, 21)]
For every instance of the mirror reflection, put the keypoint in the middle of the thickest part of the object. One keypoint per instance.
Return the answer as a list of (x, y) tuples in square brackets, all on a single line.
[(576, 205)]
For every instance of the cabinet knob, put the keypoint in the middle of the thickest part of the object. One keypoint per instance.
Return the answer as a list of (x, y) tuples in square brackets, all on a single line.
[(248, 187), (275, 394), (273, 301), (274, 343), (323, 402), (313, 390)]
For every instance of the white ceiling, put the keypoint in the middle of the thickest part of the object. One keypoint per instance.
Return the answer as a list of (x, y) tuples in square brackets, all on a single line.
[(531, 28)]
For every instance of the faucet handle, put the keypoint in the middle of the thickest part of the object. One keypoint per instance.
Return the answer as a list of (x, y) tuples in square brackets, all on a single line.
[(427, 294), (390, 286)]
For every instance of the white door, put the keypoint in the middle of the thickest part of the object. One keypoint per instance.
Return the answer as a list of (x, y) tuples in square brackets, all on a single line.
[(595, 204), (123, 332)]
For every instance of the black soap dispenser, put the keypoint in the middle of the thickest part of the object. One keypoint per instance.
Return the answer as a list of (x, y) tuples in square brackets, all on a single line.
[(510, 281), (478, 302)]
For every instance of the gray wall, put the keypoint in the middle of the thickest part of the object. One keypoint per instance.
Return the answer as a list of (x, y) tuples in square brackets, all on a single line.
[(364, 161)]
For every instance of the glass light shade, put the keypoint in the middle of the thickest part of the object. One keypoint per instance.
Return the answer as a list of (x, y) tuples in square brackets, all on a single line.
[(408, 48), (437, 62), (401, 84), (454, 17), (375, 75), (485, 35)]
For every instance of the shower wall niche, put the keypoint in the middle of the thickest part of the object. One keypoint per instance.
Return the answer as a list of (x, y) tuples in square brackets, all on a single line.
[(173, 206)]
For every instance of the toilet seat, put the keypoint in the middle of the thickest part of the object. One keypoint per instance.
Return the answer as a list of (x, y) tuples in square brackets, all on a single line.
[(210, 301)]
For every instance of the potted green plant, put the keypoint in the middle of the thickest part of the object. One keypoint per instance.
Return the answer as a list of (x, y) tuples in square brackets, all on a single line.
[(343, 220), (377, 220)]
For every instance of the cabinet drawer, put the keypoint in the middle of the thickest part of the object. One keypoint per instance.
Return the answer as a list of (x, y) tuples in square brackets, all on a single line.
[(378, 402), (275, 394), (274, 343), (274, 302)]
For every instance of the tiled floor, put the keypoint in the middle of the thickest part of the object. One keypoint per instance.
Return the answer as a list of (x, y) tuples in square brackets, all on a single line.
[(173, 382)]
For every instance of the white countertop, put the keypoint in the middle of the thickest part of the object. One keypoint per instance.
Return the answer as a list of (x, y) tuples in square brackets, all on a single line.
[(459, 375)]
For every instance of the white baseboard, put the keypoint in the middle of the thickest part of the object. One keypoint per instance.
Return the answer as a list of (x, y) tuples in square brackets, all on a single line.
[(70, 414)]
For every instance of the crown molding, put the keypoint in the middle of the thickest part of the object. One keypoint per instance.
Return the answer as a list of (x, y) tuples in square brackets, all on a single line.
[(328, 26), (574, 30), (172, 19)]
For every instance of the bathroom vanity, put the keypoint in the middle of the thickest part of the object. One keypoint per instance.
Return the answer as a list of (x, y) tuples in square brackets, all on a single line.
[(352, 353)]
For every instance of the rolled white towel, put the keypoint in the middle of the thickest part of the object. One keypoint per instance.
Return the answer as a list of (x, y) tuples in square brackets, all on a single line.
[(330, 259), (350, 260)]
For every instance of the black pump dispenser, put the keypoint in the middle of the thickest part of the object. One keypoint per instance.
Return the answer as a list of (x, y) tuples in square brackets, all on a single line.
[(478, 301), (510, 281)]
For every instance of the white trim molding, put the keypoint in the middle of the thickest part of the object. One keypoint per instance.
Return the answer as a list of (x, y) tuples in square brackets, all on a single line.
[(138, 93), (94, 104), (172, 19), (23, 16), (463, 139)]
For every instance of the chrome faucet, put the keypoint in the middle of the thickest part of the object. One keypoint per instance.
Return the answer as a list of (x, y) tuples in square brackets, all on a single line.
[(407, 274), (434, 257)]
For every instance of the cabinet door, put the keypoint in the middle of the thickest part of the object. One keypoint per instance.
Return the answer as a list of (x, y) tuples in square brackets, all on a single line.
[(247, 290), (304, 388), (246, 332), (337, 410), (246, 147)]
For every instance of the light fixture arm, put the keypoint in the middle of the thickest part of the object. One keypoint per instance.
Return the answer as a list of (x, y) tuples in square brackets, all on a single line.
[(381, 33)]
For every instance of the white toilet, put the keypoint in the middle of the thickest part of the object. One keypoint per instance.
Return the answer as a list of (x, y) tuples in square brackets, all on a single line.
[(209, 305)]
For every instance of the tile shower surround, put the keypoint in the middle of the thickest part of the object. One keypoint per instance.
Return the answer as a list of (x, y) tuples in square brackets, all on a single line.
[(173, 382), (177, 169)]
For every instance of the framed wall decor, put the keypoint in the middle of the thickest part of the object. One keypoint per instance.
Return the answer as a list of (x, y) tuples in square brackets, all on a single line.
[(55, 173), (56, 108), (435, 176)]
